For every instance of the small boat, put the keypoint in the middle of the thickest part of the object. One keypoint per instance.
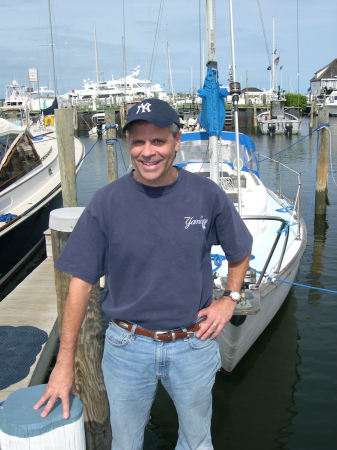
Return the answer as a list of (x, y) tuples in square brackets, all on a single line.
[(277, 121), (30, 188), (331, 103), (17, 97), (279, 233), (98, 119)]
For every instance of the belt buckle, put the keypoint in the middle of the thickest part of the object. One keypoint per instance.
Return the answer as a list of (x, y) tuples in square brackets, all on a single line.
[(164, 332)]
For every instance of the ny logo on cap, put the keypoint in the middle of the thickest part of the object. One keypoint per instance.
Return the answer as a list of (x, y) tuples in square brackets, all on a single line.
[(144, 108)]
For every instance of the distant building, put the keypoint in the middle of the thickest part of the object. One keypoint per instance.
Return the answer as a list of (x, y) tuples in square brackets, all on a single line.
[(325, 80)]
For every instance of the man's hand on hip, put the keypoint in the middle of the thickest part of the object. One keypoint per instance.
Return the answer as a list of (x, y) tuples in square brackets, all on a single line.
[(218, 313)]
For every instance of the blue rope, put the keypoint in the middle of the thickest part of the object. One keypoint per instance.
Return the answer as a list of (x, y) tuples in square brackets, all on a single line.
[(318, 128), (112, 141), (286, 209), (91, 147), (288, 224), (301, 285), (7, 217), (217, 259)]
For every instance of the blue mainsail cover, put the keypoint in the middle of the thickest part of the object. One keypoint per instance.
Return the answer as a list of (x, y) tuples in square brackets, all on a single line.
[(213, 112)]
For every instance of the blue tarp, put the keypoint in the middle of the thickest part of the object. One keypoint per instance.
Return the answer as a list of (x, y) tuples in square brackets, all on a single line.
[(213, 113)]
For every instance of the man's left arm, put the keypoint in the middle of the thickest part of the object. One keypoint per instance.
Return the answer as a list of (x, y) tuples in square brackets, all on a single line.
[(219, 312)]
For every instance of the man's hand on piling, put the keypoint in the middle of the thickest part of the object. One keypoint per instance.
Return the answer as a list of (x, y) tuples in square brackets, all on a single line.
[(218, 313), (61, 383)]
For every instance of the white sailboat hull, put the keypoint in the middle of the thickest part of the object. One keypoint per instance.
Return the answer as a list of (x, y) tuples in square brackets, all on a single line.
[(234, 342)]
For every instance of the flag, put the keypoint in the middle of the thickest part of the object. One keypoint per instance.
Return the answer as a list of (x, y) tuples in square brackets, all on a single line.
[(277, 60), (269, 68), (281, 67)]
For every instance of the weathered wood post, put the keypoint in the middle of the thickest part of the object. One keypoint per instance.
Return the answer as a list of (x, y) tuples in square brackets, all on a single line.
[(89, 351), (111, 133), (75, 120), (315, 106), (321, 199), (311, 116), (122, 116), (66, 151), (255, 119)]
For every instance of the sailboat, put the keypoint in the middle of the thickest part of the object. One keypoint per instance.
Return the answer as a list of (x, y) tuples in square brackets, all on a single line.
[(278, 230)]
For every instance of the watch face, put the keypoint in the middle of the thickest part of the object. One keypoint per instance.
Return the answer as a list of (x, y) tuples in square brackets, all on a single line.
[(235, 296)]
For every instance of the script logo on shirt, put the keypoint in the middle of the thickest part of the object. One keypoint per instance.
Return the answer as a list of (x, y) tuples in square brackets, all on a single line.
[(191, 221)]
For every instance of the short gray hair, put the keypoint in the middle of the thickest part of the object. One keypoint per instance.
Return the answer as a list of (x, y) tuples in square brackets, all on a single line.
[(174, 128)]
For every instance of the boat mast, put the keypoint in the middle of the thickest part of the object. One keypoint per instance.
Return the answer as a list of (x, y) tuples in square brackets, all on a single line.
[(273, 53), (52, 47), (211, 57), (97, 66), (235, 91)]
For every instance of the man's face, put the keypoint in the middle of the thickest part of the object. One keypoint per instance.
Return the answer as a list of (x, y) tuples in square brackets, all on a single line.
[(153, 150)]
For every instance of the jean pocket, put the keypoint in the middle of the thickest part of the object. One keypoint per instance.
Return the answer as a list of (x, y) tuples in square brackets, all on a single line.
[(116, 336), (197, 343)]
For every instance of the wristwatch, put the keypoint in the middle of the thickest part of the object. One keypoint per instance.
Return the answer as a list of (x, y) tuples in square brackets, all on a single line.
[(234, 295)]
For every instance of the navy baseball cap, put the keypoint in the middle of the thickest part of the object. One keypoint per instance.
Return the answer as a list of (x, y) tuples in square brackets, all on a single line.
[(159, 112)]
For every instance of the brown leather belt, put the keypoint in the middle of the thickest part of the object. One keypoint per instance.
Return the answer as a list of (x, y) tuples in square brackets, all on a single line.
[(161, 335)]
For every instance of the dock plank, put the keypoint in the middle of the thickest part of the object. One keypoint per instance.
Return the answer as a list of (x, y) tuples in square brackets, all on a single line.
[(33, 302)]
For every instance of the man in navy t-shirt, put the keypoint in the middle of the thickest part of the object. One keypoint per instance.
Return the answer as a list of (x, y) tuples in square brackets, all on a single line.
[(151, 232)]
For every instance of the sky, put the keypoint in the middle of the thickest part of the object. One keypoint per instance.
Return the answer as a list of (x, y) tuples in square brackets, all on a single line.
[(25, 35)]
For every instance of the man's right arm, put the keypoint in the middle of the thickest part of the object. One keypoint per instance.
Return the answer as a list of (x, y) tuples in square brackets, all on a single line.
[(62, 378)]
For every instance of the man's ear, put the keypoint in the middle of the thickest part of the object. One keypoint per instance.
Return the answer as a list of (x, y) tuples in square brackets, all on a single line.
[(178, 139)]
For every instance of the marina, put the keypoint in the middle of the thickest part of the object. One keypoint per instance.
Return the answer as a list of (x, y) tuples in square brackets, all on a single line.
[(276, 362), (287, 379)]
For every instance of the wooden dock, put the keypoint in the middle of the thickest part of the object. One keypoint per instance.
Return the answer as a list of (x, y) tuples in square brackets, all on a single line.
[(33, 303)]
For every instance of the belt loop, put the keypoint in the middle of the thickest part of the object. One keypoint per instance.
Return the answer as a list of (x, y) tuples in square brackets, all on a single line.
[(134, 326)]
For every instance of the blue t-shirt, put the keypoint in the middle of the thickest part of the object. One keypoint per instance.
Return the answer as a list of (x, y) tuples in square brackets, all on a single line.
[(154, 244)]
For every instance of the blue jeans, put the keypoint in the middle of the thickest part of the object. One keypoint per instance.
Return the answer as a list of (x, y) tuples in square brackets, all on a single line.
[(133, 364)]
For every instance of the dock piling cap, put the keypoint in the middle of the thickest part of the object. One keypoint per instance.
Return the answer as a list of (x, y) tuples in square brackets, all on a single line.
[(18, 417), (65, 219)]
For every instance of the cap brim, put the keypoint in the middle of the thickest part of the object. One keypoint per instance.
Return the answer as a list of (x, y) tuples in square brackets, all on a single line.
[(161, 122)]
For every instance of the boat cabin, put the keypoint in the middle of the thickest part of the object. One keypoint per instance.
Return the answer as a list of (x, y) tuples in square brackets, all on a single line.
[(18, 157)]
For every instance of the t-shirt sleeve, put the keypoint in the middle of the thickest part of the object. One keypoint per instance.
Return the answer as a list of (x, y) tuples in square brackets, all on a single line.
[(85, 254), (230, 230)]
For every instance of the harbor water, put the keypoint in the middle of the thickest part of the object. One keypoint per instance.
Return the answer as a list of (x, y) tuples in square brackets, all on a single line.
[(282, 395)]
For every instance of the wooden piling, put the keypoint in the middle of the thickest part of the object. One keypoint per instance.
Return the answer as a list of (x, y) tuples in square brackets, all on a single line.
[(315, 106), (110, 133), (122, 116), (75, 121), (66, 151), (255, 119), (311, 116), (321, 199), (89, 351)]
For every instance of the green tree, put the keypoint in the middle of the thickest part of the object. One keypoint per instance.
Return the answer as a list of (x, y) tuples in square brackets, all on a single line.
[(292, 100)]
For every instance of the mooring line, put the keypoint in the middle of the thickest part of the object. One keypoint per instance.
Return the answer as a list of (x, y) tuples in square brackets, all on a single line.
[(300, 285)]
